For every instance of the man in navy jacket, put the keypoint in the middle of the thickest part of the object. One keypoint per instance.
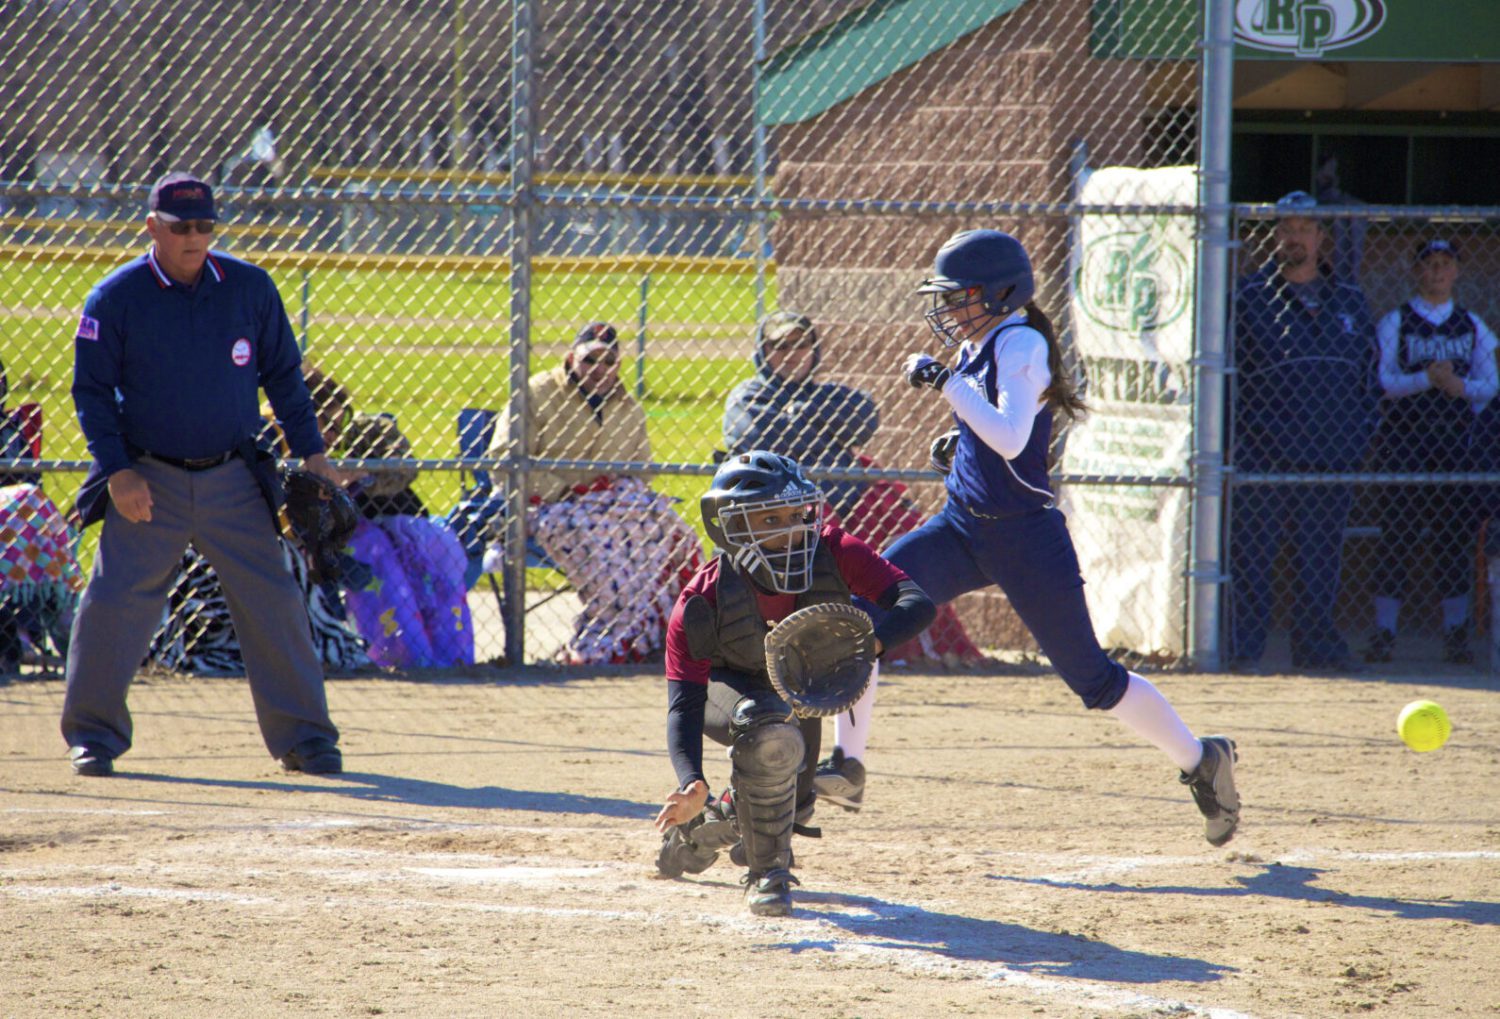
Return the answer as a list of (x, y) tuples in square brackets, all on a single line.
[(1304, 403), (169, 357)]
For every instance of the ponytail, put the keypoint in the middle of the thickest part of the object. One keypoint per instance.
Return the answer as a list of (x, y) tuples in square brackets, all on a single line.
[(1062, 394)]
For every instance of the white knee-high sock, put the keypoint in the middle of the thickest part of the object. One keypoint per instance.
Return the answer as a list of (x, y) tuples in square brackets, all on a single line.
[(851, 729), (1150, 716)]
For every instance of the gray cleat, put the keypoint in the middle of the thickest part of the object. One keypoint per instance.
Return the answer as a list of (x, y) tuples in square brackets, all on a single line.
[(1212, 783), (841, 781)]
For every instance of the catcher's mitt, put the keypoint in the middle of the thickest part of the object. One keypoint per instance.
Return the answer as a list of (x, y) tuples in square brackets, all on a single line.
[(323, 518), (820, 658)]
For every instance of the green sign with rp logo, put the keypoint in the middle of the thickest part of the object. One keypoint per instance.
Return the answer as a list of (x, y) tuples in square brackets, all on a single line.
[(1445, 30)]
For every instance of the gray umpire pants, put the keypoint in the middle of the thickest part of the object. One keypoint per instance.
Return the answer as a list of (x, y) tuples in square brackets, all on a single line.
[(222, 512)]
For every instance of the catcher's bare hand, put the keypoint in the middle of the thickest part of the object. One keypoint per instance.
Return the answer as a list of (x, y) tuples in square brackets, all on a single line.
[(131, 495), (682, 806)]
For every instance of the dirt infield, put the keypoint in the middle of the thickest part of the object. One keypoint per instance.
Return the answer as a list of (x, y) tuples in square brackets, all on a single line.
[(488, 853)]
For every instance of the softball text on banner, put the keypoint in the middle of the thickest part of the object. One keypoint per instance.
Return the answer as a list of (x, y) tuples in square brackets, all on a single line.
[(1133, 330)]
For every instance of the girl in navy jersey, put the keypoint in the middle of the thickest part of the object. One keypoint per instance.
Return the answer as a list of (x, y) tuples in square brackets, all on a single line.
[(1000, 525)]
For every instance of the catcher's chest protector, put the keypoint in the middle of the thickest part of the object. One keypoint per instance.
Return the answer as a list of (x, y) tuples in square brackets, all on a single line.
[(742, 631)]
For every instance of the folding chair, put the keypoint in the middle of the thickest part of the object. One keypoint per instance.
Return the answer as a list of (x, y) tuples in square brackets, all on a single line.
[(484, 504)]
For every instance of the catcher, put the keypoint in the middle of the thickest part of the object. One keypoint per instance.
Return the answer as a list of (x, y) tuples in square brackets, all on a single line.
[(763, 642)]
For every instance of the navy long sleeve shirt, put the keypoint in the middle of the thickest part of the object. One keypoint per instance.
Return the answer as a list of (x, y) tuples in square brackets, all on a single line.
[(175, 370)]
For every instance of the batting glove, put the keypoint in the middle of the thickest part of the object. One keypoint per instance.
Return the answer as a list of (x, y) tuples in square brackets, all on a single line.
[(940, 454), (922, 370)]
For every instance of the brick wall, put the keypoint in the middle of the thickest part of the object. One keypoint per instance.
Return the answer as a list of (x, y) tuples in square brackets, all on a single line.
[(994, 116)]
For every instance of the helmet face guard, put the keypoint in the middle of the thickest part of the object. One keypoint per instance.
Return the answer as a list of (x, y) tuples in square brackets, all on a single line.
[(986, 269), (777, 556)]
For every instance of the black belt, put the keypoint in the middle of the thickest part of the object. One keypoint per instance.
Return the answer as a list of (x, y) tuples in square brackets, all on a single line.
[(199, 464)]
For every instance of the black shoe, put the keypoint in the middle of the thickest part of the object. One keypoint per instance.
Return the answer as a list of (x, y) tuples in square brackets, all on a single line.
[(841, 781), (1382, 645), (90, 760), (1212, 784), (316, 756), (770, 894), (1456, 645)]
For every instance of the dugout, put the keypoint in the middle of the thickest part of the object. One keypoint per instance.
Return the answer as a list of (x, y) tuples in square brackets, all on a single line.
[(927, 100)]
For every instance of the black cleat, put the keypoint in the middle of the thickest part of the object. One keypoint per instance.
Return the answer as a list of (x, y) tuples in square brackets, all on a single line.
[(841, 781), (1212, 783), (769, 894), (316, 756), (1456, 645), (92, 761), (1382, 645)]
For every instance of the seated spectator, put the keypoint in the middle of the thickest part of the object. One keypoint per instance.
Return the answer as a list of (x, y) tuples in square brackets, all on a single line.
[(823, 425), (782, 409), (403, 572), (1437, 368), (39, 576), (621, 545)]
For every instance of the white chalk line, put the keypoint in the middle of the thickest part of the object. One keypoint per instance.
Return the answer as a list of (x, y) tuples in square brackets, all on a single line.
[(827, 934)]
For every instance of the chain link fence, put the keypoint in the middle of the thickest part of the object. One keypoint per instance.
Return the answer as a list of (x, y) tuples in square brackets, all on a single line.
[(1364, 433), (449, 195)]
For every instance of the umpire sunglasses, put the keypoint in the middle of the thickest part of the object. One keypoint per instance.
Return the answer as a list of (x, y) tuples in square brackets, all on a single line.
[(183, 227)]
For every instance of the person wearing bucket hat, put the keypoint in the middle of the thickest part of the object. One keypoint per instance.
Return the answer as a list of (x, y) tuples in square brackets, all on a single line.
[(170, 355), (1303, 402), (784, 409), (622, 545), (1437, 369)]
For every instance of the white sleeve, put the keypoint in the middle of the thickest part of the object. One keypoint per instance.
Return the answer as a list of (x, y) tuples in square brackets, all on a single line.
[(1483, 382), (1021, 375), (1393, 380)]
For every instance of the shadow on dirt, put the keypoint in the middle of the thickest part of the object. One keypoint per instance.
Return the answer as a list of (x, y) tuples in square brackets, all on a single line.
[(372, 787), (899, 927), (1296, 883)]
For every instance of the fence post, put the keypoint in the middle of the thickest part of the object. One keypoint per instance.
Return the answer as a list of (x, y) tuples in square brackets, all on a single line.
[(522, 153), (643, 315), (306, 302), (762, 231), (1216, 99)]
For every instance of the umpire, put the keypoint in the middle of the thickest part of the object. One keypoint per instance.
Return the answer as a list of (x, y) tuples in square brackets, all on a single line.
[(170, 352)]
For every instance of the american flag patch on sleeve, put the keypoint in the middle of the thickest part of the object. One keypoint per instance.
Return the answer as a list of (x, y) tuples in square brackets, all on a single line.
[(88, 328)]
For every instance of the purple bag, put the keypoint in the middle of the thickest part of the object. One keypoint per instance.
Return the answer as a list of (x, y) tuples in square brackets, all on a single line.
[(415, 610)]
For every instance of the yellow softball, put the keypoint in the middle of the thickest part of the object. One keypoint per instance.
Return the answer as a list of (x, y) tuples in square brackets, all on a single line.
[(1423, 725)]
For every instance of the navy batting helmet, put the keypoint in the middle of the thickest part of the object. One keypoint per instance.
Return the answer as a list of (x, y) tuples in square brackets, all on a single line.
[(764, 513), (987, 268)]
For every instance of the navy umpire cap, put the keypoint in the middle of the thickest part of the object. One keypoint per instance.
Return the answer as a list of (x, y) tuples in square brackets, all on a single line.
[(1437, 247), (182, 196)]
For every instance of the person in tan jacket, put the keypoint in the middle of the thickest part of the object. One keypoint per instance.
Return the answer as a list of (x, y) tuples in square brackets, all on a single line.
[(622, 546)]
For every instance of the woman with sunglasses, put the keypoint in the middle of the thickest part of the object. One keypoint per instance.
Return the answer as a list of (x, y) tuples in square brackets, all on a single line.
[(1000, 525), (622, 546)]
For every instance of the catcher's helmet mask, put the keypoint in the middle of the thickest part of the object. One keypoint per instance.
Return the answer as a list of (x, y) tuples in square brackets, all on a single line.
[(777, 557), (992, 264)]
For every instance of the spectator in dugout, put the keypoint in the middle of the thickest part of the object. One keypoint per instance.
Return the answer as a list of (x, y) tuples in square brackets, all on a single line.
[(1303, 403), (1437, 370), (784, 408), (622, 546)]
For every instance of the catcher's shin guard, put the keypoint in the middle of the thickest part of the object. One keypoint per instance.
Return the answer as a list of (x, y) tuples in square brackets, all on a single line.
[(764, 759)]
